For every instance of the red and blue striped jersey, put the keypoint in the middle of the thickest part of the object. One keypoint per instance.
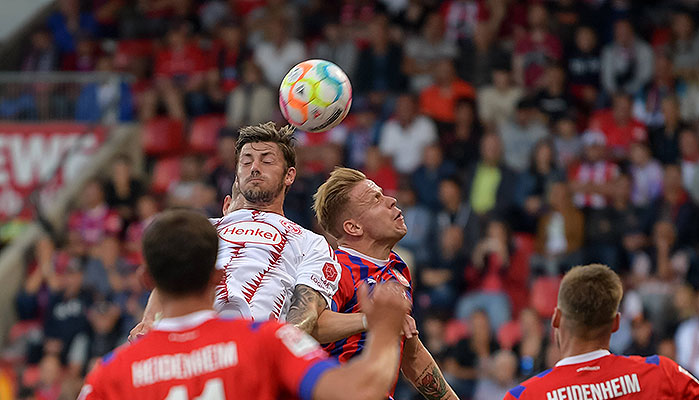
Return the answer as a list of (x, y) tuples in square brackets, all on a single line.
[(357, 269)]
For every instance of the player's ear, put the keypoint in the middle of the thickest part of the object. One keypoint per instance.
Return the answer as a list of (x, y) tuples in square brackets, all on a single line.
[(351, 227), (145, 278), (556, 319), (615, 325), (216, 277), (290, 176), (227, 203)]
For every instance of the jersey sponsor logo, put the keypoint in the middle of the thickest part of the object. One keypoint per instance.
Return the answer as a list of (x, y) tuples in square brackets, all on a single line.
[(183, 337), (250, 232), (402, 279), (321, 282), (592, 368), (298, 342), (198, 362), (610, 389), (330, 272), (291, 227)]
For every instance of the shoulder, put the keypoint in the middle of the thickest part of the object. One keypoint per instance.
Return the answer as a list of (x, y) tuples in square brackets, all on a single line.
[(530, 387)]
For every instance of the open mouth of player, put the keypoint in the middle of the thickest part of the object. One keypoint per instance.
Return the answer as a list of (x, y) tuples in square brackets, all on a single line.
[(399, 216)]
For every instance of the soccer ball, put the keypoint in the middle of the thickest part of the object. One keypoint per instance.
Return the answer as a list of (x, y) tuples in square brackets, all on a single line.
[(315, 95)]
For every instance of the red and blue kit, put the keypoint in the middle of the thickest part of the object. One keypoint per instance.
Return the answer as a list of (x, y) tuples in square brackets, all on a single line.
[(600, 375), (203, 356)]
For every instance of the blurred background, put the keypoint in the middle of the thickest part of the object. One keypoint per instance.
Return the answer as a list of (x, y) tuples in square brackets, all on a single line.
[(519, 137)]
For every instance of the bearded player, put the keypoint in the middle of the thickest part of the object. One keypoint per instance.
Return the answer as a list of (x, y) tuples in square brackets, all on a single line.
[(192, 353), (367, 225), (584, 319), (273, 268)]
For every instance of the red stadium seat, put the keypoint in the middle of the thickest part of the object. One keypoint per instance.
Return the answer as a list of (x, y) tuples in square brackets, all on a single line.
[(509, 334), (162, 136), (23, 328), (544, 295), (165, 172), (127, 50), (455, 331), (204, 133)]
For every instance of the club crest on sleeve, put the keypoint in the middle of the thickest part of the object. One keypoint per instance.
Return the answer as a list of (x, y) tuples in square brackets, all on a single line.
[(330, 272)]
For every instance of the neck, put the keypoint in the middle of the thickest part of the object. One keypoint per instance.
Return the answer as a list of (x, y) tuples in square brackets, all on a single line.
[(576, 346), (275, 206), (372, 248), (177, 307)]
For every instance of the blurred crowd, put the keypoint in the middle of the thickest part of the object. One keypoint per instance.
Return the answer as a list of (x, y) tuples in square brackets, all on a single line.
[(520, 138)]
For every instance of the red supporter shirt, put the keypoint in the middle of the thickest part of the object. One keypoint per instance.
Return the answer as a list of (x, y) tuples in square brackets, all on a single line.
[(95, 224), (203, 356), (358, 269), (535, 55), (189, 60), (618, 136), (600, 375), (439, 104)]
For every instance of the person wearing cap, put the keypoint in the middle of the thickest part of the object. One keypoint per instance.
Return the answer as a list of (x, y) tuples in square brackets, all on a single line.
[(520, 134), (592, 178)]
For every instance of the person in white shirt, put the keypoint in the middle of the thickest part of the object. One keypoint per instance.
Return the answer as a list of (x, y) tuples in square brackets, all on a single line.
[(405, 137), (278, 52)]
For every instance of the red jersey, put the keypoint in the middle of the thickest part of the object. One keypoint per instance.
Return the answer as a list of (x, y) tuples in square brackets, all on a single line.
[(618, 136), (187, 61), (600, 375), (203, 356), (95, 224)]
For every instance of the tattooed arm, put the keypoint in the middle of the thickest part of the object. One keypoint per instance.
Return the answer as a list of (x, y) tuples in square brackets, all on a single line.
[(422, 371), (306, 306)]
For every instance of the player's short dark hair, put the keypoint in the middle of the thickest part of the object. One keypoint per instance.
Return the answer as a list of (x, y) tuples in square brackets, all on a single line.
[(268, 132), (180, 249), (589, 297)]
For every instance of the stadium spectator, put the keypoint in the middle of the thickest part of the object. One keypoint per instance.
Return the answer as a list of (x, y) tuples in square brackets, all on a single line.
[(426, 179), (108, 101), (222, 174), (567, 143), (644, 339), (67, 22), (337, 46), (560, 233), (123, 189), (686, 340), (442, 276), (94, 221), (423, 52), (583, 67), (360, 135), (101, 270), (684, 44), (462, 17), (497, 102), (627, 62), (379, 170), (520, 134), (664, 139), (460, 144), (405, 136), (535, 49), (252, 101), (491, 260), (181, 191), (646, 173), (647, 106), (226, 61), (533, 184), (488, 183), (500, 378), (591, 178), (420, 223), (438, 100), (84, 59), (455, 211), (618, 125), (553, 99), (531, 344), (689, 151), (41, 56), (278, 52), (379, 70), (479, 55)]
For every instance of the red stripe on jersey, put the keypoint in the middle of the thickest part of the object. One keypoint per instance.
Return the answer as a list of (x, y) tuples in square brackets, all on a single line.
[(222, 288), (275, 256)]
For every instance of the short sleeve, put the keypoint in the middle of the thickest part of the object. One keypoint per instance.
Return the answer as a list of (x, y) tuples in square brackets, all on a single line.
[(684, 384), (92, 388), (299, 361), (345, 290), (319, 268)]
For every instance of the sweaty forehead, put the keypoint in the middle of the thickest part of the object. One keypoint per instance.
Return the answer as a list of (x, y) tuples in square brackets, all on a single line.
[(365, 191)]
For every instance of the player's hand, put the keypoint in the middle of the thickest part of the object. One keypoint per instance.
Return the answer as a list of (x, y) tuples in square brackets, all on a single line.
[(139, 330), (409, 327), (387, 306)]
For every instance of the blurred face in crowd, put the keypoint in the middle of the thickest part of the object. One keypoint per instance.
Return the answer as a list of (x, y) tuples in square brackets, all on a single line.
[(498, 231), (226, 150), (585, 39), (689, 144), (565, 127), (93, 195), (41, 40), (664, 231), (672, 178), (405, 109), (231, 36), (146, 207), (464, 113), (433, 30), (682, 26), (529, 321), (105, 64), (49, 370), (432, 157), (451, 241), (621, 107), (670, 109), (449, 194), (444, 73), (190, 169), (374, 158), (623, 33), (555, 77), (639, 154), (663, 68), (262, 172), (480, 325), (504, 367), (378, 31), (501, 79), (491, 149), (276, 32), (177, 36), (121, 171), (538, 17), (331, 31), (376, 213), (251, 73), (72, 281), (406, 197), (69, 7), (543, 155), (594, 152), (622, 189)]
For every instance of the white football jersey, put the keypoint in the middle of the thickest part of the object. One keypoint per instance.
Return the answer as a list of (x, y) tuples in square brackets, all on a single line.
[(264, 256)]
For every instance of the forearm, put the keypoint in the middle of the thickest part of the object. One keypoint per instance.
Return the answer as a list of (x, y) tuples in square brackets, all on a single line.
[(332, 326), (369, 376), (306, 306), (422, 371)]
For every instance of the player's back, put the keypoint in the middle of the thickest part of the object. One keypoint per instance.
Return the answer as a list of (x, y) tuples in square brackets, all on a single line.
[(264, 255), (204, 356), (600, 375)]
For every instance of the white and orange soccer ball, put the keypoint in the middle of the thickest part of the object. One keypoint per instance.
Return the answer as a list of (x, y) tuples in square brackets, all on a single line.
[(315, 95)]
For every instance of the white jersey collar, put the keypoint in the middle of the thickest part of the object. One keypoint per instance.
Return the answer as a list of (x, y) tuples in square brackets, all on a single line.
[(185, 321), (581, 358), (355, 253)]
